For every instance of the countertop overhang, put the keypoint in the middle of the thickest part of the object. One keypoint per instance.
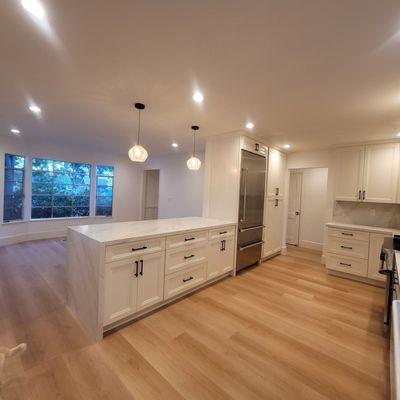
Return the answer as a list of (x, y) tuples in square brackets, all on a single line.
[(373, 229), (120, 232)]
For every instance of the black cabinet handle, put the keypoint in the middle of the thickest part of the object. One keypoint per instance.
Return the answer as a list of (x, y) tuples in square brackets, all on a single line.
[(223, 232), (137, 268), (141, 268), (347, 234), (276, 191), (345, 264), (257, 147), (187, 239), (347, 247), (223, 243), (187, 257), (187, 279), (139, 248), (363, 195), (276, 202), (359, 195)]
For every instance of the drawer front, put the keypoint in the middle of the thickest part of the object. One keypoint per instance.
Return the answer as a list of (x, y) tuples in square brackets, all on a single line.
[(350, 265), (187, 239), (132, 249), (185, 280), (223, 232), (350, 248), (348, 234), (179, 258)]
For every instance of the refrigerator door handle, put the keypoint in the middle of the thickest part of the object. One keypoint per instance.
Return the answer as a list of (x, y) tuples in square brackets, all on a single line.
[(250, 229), (245, 172)]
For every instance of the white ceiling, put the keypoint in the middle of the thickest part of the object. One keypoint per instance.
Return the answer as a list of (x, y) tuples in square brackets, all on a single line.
[(310, 73)]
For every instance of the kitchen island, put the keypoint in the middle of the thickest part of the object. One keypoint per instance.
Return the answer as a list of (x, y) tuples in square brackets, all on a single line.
[(118, 272)]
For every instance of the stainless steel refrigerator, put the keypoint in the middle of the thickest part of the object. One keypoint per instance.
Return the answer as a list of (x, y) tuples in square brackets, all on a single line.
[(251, 209)]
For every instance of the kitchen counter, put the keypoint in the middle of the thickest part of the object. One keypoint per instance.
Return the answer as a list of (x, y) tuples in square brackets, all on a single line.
[(365, 228), (120, 271), (120, 232)]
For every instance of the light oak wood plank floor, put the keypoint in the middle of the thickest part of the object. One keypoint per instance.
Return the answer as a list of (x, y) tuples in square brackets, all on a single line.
[(283, 330)]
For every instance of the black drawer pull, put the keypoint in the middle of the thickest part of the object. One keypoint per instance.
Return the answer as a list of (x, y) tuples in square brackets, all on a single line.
[(346, 265), (187, 279), (187, 257), (187, 239), (223, 233), (141, 268), (347, 234), (347, 247), (139, 248), (137, 268)]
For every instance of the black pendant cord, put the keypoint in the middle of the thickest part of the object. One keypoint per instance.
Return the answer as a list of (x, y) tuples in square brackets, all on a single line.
[(138, 131), (194, 143)]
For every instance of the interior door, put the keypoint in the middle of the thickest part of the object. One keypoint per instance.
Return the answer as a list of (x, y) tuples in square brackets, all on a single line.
[(349, 173), (294, 208), (381, 173), (151, 280), (252, 188)]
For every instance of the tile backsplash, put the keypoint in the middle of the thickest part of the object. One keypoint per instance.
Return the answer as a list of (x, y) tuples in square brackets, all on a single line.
[(371, 214)]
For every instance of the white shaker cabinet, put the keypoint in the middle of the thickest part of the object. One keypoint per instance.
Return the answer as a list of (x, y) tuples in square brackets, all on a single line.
[(150, 286), (375, 246), (276, 173), (220, 257), (381, 173), (349, 173), (120, 290), (367, 173), (273, 231)]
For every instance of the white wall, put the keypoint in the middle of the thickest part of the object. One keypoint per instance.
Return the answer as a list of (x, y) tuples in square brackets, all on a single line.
[(181, 190), (127, 189), (313, 206)]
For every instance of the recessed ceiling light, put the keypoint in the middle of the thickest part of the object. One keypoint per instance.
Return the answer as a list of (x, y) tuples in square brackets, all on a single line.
[(35, 109), (34, 8), (174, 144), (15, 131), (249, 125), (286, 146), (198, 97)]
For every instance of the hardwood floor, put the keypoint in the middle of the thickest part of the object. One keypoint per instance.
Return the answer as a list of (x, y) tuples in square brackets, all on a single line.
[(283, 330)]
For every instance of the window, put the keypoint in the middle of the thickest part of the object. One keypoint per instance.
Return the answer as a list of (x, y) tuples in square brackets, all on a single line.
[(104, 190), (14, 177), (60, 189)]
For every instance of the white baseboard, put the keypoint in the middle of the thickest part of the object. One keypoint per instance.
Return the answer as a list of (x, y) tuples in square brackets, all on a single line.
[(284, 250), (311, 245), (323, 259), (26, 237)]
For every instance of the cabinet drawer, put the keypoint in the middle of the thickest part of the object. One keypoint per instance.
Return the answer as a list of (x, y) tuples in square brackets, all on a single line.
[(221, 232), (127, 250), (352, 248), (186, 239), (350, 265), (182, 281), (348, 234), (180, 258)]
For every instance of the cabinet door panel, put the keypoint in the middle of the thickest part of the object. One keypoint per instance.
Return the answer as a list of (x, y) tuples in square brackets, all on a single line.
[(220, 257), (276, 173), (349, 172), (150, 281), (381, 173), (120, 290), (273, 230), (375, 244)]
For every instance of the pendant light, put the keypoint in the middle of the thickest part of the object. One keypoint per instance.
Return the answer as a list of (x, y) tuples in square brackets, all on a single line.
[(194, 163), (138, 153)]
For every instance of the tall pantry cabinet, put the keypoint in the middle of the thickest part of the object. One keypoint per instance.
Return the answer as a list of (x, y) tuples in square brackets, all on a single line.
[(274, 214)]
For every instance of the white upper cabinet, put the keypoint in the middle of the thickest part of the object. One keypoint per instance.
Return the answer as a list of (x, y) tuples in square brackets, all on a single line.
[(368, 173), (349, 173), (381, 173), (276, 173)]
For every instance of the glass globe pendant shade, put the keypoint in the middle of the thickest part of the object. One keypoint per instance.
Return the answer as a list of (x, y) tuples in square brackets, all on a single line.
[(193, 163), (138, 153)]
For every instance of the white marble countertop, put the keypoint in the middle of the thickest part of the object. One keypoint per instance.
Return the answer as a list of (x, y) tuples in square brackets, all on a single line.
[(373, 229), (120, 232)]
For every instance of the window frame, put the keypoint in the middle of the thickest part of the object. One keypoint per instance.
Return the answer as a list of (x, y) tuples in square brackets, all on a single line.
[(23, 182), (96, 190), (53, 183)]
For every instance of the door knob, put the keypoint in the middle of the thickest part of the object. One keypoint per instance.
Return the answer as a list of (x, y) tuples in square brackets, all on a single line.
[(297, 212)]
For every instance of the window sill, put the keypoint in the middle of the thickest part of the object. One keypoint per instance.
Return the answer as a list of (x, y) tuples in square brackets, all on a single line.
[(65, 218), (20, 221)]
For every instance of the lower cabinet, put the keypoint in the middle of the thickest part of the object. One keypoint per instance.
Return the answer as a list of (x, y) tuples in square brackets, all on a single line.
[(220, 257), (132, 285), (375, 245), (273, 215)]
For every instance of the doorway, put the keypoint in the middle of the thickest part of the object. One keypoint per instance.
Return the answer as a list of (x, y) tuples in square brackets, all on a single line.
[(151, 188), (307, 207)]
